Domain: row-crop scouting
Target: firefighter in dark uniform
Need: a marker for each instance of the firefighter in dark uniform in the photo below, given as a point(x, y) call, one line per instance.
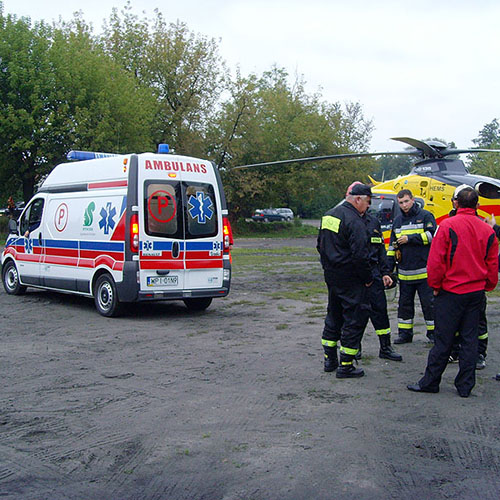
point(411, 236)
point(482, 344)
point(381, 275)
point(343, 248)
point(462, 265)
point(493, 223)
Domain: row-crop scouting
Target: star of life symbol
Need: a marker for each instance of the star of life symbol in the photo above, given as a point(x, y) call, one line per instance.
point(28, 245)
point(147, 246)
point(107, 222)
point(200, 207)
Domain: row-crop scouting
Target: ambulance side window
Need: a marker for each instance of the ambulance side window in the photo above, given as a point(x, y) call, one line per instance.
point(32, 217)
point(162, 213)
point(200, 209)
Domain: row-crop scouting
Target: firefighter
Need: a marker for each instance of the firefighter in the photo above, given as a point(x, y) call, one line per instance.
point(343, 248)
point(493, 223)
point(382, 279)
point(482, 344)
point(411, 236)
point(462, 264)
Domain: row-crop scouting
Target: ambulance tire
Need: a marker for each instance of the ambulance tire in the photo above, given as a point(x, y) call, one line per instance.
point(10, 278)
point(198, 304)
point(106, 296)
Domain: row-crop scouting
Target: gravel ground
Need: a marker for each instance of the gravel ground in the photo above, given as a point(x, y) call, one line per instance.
point(232, 403)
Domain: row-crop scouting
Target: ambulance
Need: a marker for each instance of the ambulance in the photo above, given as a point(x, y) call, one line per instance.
point(125, 228)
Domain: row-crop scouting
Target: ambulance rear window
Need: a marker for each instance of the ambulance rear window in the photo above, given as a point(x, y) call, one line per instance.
point(162, 213)
point(201, 210)
point(383, 209)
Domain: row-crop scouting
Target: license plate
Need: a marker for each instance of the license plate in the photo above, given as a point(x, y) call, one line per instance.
point(162, 280)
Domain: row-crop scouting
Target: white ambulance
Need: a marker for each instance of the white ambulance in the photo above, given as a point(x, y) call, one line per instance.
point(124, 229)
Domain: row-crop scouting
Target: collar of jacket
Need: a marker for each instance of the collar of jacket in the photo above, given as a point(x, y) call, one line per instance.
point(352, 207)
point(414, 210)
point(466, 211)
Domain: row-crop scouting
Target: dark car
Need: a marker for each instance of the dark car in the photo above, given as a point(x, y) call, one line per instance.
point(16, 212)
point(268, 215)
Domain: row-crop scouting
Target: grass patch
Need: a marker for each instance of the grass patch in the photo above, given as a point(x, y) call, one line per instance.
point(251, 229)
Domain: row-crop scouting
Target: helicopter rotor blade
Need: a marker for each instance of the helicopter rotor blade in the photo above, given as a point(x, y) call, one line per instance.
point(321, 158)
point(423, 147)
point(448, 152)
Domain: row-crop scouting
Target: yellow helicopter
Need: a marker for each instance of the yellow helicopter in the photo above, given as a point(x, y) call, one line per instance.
point(432, 180)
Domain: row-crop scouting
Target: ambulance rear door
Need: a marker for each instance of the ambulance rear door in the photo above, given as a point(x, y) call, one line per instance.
point(180, 233)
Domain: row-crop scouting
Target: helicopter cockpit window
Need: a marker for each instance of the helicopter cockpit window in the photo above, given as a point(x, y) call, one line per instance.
point(383, 209)
point(488, 190)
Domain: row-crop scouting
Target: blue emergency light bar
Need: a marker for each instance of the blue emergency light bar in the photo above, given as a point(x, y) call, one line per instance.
point(163, 148)
point(87, 155)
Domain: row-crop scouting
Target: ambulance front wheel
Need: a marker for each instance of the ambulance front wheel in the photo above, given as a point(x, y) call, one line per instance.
point(198, 304)
point(10, 278)
point(106, 296)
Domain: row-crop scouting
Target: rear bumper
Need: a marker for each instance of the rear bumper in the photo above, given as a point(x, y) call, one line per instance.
point(183, 294)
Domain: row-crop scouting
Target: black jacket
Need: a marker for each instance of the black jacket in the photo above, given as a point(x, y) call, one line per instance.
point(419, 225)
point(377, 253)
point(343, 243)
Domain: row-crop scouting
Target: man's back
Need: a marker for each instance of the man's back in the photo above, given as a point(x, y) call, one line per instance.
point(463, 256)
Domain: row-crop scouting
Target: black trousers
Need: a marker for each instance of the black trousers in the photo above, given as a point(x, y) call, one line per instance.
point(482, 341)
point(454, 313)
point(347, 313)
point(378, 307)
point(406, 306)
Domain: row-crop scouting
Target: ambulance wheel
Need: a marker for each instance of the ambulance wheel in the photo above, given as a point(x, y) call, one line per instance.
point(106, 297)
point(198, 304)
point(10, 278)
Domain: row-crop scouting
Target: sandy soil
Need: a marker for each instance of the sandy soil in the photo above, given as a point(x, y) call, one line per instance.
point(232, 403)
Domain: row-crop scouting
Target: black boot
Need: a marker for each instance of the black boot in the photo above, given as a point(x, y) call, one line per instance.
point(386, 350)
point(347, 369)
point(404, 338)
point(331, 359)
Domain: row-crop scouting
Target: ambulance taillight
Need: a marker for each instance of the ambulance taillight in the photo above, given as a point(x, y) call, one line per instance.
point(228, 234)
point(134, 233)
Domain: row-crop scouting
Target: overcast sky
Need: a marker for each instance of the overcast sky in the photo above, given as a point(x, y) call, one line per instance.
point(419, 69)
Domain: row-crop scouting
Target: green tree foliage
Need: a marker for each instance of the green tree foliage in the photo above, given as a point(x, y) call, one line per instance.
point(145, 81)
point(267, 119)
point(59, 91)
point(487, 163)
point(183, 71)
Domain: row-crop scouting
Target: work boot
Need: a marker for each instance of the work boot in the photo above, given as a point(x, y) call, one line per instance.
point(453, 357)
point(331, 359)
point(346, 369)
point(404, 338)
point(430, 336)
point(386, 351)
point(481, 362)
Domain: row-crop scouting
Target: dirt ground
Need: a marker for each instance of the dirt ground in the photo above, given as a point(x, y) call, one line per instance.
point(232, 403)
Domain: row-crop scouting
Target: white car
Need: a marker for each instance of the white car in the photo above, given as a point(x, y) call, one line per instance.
point(288, 213)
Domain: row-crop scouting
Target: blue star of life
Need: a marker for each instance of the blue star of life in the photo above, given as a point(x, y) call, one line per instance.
point(107, 222)
point(201, 207)
point(28, 245)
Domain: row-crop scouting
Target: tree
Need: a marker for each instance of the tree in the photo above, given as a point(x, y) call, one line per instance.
point(267, 119)
point(182, 69)
point(58, 91)
point(487, 163)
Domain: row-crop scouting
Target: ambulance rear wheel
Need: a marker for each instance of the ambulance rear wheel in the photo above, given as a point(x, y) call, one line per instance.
point(106, 297)
point(10, 278)
point(198, 304)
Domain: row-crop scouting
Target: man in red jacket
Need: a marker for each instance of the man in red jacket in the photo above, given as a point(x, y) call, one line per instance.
point(462, 264)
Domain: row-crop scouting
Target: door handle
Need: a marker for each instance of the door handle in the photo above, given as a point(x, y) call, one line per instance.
point(162, 272)
point(175, 249)
point(40, 240)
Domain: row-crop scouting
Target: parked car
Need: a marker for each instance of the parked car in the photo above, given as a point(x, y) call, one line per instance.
point(268, 215)
point(17, 210)
point(287, 212)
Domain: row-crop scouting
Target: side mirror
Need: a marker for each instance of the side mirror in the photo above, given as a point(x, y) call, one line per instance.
point(13, 227)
